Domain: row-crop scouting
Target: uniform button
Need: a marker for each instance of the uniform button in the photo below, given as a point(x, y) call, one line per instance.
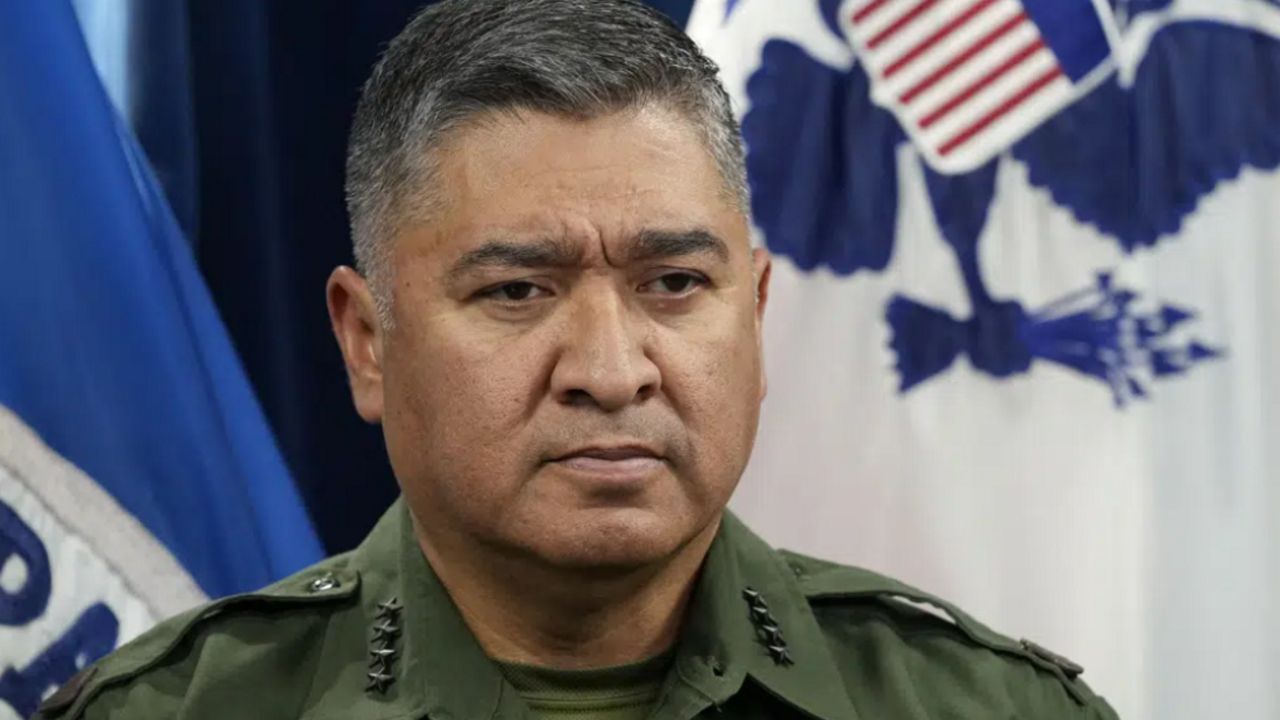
point(324, 583)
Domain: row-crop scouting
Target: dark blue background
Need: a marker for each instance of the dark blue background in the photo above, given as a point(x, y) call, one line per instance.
point(243, 107)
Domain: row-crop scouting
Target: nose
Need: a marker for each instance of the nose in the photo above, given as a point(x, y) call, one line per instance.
point(603, 360)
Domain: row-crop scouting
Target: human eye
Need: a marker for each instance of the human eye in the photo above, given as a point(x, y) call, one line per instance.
point(674, 284)
point(518, 291)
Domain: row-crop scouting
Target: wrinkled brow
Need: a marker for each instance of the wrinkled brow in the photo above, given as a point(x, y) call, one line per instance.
point(658, 244)
point(501, 254)
point(646, 246)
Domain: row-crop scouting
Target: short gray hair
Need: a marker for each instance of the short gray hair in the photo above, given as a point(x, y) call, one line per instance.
point(461, 59)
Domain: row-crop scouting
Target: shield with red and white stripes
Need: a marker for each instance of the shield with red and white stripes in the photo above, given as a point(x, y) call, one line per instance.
point(967, 78)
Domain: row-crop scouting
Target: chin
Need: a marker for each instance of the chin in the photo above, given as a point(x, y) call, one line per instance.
point(619, 539)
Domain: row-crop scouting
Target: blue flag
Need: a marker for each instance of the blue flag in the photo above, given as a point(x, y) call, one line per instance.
point(137, 473)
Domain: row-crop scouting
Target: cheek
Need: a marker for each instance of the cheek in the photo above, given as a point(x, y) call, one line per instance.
point(714, 379)
point(455, 409)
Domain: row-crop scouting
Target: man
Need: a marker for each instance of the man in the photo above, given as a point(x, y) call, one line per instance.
point(557, 322)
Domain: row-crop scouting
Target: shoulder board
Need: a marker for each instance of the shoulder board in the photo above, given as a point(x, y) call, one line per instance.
point(326, 582)
point(824, 581)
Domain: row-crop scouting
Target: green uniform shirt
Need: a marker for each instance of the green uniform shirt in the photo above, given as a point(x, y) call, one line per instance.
point(372, 634)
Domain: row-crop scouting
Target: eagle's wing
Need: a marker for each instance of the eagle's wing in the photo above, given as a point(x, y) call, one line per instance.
point(1135, 162)
point(823, 162)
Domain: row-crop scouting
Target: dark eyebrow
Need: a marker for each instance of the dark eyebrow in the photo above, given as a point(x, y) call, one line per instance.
point(539, 254)
point(656, 244)
point(647, 245)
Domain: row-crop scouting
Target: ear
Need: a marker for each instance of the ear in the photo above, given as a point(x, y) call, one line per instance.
point(354, 317)
point(762, 271)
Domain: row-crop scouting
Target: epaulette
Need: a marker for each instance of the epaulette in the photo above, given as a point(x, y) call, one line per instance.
point(329, 581)
point(822, 581)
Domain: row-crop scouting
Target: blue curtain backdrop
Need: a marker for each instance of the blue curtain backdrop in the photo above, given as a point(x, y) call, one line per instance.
point(243, 107)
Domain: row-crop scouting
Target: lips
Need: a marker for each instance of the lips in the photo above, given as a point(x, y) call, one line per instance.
point(618, 462)
point(611, 454)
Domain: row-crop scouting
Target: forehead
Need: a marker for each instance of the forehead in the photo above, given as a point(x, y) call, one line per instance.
point(607, 177)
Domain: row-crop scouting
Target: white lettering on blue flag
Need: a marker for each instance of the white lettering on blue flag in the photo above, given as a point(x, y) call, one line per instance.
point(77, 574)
point(137, 472)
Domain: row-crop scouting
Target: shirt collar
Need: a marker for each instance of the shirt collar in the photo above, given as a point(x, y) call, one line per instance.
point(444, 663)
point(721, 630)
point(441, 670)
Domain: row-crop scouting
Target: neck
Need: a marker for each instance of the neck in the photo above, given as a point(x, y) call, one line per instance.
point(531, 613)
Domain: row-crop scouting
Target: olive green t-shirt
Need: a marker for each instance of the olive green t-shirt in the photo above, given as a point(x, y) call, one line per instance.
point(628, 692)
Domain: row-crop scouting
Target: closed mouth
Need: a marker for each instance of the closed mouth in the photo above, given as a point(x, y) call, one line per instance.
point(619, 453)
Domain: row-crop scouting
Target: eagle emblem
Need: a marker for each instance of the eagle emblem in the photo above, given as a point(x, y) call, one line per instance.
point(1126, 113)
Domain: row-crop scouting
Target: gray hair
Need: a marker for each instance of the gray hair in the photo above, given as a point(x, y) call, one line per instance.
point(459, 60)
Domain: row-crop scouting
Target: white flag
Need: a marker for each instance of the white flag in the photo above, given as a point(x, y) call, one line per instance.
point(1024, 335)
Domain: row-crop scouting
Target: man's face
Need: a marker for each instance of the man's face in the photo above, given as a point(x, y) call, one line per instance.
point(573, 371)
